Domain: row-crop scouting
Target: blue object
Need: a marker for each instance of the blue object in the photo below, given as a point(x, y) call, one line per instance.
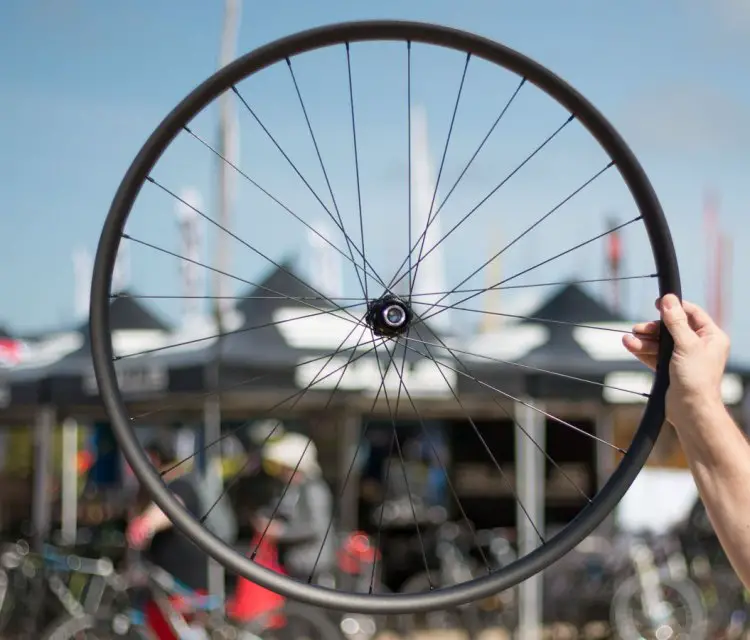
point(106, 470)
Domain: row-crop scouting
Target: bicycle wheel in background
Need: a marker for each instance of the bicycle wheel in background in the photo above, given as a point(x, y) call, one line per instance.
point(685, 618)
point(394, 321)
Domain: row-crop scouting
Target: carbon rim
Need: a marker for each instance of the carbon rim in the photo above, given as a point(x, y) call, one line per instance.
point(138, 173)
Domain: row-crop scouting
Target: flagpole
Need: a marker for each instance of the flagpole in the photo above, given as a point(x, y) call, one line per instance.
point(227, 147)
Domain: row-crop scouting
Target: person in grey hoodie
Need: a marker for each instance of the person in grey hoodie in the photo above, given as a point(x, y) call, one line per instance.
point(301, 524)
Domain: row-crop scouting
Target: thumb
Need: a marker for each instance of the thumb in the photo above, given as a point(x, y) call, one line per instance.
point(676, 320)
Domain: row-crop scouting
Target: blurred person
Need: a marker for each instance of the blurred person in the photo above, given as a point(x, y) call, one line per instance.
point(300, 524)
point(717, 451)
point(151, 530)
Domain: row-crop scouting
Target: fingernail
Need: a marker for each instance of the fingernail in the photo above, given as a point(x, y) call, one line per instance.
point(668, 301)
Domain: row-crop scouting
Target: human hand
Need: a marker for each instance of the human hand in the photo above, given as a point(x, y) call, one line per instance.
point(697, 365)
point(138, 533)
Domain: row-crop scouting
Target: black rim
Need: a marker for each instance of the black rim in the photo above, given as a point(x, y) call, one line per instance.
point(138, 173)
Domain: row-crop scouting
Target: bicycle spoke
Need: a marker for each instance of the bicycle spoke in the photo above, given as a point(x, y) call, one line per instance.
point(356, 159)
point(305, 449)
point(408, 160)
point(399, 451)
point(529, 367)
point(522, 402)
point(363, 435)
point(539, 221)
point(182, 297)
point(237, 385)
point(220, 272)
point(386, 484)
point(508, 415)
point(297, 394)
point(223, 334)
point(485, 446)
point(502, 183)
point(285, 207)
point(257, 252)
point(541, 264)
point(440, 170)
point(566, 323)
point(460, 176)
point(328, 182)
point(294, 167)
point(443, 468)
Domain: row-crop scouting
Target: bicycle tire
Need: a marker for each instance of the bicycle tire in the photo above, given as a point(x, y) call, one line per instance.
point(686, 590)
point(622, 157)
point(313, 617)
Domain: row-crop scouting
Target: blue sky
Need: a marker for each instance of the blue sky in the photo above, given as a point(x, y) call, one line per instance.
point(85, 82)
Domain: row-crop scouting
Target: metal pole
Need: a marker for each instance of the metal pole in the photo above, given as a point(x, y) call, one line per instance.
point(69, 506)
point(530, 480)
point(40, 501)
point(211, 433)
point(228, 149)
point(349, 436)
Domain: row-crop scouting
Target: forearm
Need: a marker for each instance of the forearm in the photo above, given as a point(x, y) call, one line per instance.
point(156, 518)
point(719, 456)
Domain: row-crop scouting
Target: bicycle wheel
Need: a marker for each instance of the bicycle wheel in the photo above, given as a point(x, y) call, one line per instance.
point(307, 623)
point(85, 627)
point(688, 620)
point(396, 324)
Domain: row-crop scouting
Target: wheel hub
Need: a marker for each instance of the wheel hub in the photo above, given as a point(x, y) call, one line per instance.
point(389, 316)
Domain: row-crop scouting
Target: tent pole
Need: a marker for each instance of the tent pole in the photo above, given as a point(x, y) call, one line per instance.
point(213, 478)
point(40, 503)
point(350, 426)
point(69, 506)
point(530, 480)
point(605, 457)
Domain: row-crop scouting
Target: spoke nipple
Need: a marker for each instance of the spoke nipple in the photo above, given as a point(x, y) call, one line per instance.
point(150, 179)
point(610, 164)
point(347, 46)
point(116, 358)
point(523, 81)
point(288, 61)
point(252, 555)
point(408, 44)
point(571, 118)
point(235, 90)
point(125, 236)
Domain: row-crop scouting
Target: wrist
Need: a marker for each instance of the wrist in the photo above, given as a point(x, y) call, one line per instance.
point(702, 426)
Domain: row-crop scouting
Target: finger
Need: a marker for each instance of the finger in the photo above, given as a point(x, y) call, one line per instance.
point(676, 321)
point(645, 353)
point(698, 318)
point(641, 346)
point(647, 329)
